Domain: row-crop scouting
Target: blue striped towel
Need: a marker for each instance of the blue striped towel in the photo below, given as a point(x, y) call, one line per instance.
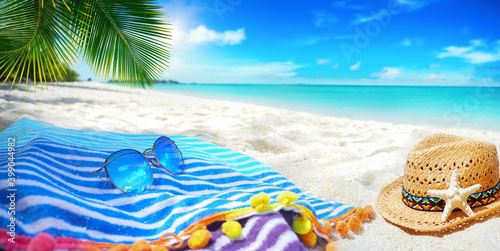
point(57, 194)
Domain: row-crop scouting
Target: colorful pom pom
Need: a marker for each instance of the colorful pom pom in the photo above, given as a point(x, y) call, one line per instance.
point(121, 247)
point(287, 197)
point(370, 211)
point(42, 242)
point(327, 226)
point(199, 239)
point(159, 248)
point(361, 214)
point(232, 229)
point(354, 223)
point(342, 227)
point(309, 239)
point(301, 225)
point(259, 201)
point(331, 246)
point(141, 245)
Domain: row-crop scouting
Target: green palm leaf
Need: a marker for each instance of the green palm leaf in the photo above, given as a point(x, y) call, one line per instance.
point(124, 39)
point(128, 40)
point(42, 45)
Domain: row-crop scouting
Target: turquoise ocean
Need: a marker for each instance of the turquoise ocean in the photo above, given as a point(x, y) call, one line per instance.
point(458, 107)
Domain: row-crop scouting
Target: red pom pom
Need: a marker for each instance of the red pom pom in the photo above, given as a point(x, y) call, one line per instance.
point(42, 242)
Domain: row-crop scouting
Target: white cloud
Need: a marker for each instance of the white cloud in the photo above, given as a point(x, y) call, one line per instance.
point(427, 77)
point(346, 4)
point(341, 37)
point(471, 54)
point(410, 42)
point(308, 41)
point(304, 40)
point(385, 6)
point(434, 65)
point(355, 66)
point(322, 61)
point(409, 2)
point(335, 66)
point(477, 42)
point(324, 17)
point(244, 72)
point(236, 72)
point(436, 76)
point(387, 72)
point(406, 42)
point(273, 70)
point(454, 51)
point(406, 5)
point(201, 35)
point(412, 5)
point(382, 14)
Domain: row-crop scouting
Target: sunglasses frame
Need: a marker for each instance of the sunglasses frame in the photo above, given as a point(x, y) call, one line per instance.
point(147, 157)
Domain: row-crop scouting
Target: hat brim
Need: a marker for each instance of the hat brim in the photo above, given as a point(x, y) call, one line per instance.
point(391, 207)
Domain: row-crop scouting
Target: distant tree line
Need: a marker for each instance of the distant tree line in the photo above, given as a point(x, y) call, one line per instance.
point(170, 81)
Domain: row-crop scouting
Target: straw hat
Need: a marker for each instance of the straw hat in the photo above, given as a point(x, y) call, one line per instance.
point(431, 165)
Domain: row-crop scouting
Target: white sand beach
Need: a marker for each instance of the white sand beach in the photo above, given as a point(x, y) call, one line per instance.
point(346, 160)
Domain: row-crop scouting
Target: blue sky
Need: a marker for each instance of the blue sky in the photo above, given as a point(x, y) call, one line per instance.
point(397, 42)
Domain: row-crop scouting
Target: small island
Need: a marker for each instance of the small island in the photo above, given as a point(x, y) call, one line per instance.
point(170, 81)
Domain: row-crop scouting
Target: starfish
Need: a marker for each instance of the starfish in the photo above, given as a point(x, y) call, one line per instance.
point(455, 196)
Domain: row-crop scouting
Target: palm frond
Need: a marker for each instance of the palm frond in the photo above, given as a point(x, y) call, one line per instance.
point(128, 40)
point(47, 41)
point(18, 23)
point(124, 39)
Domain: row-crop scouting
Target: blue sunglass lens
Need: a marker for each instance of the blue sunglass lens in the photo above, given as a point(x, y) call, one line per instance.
point(129, 171)
point(168, 155)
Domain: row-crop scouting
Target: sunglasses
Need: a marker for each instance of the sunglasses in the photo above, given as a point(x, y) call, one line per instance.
point(130, 170)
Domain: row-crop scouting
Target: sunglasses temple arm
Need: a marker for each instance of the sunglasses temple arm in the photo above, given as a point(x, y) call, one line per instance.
point(107, 179)
point(98, 170)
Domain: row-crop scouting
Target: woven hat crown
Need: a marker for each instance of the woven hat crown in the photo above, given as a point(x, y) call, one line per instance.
point(431, 162)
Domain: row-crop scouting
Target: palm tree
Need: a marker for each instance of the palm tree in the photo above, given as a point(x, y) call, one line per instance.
point(124, 39)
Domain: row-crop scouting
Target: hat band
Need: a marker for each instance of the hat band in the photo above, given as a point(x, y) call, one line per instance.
point(438, 204)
